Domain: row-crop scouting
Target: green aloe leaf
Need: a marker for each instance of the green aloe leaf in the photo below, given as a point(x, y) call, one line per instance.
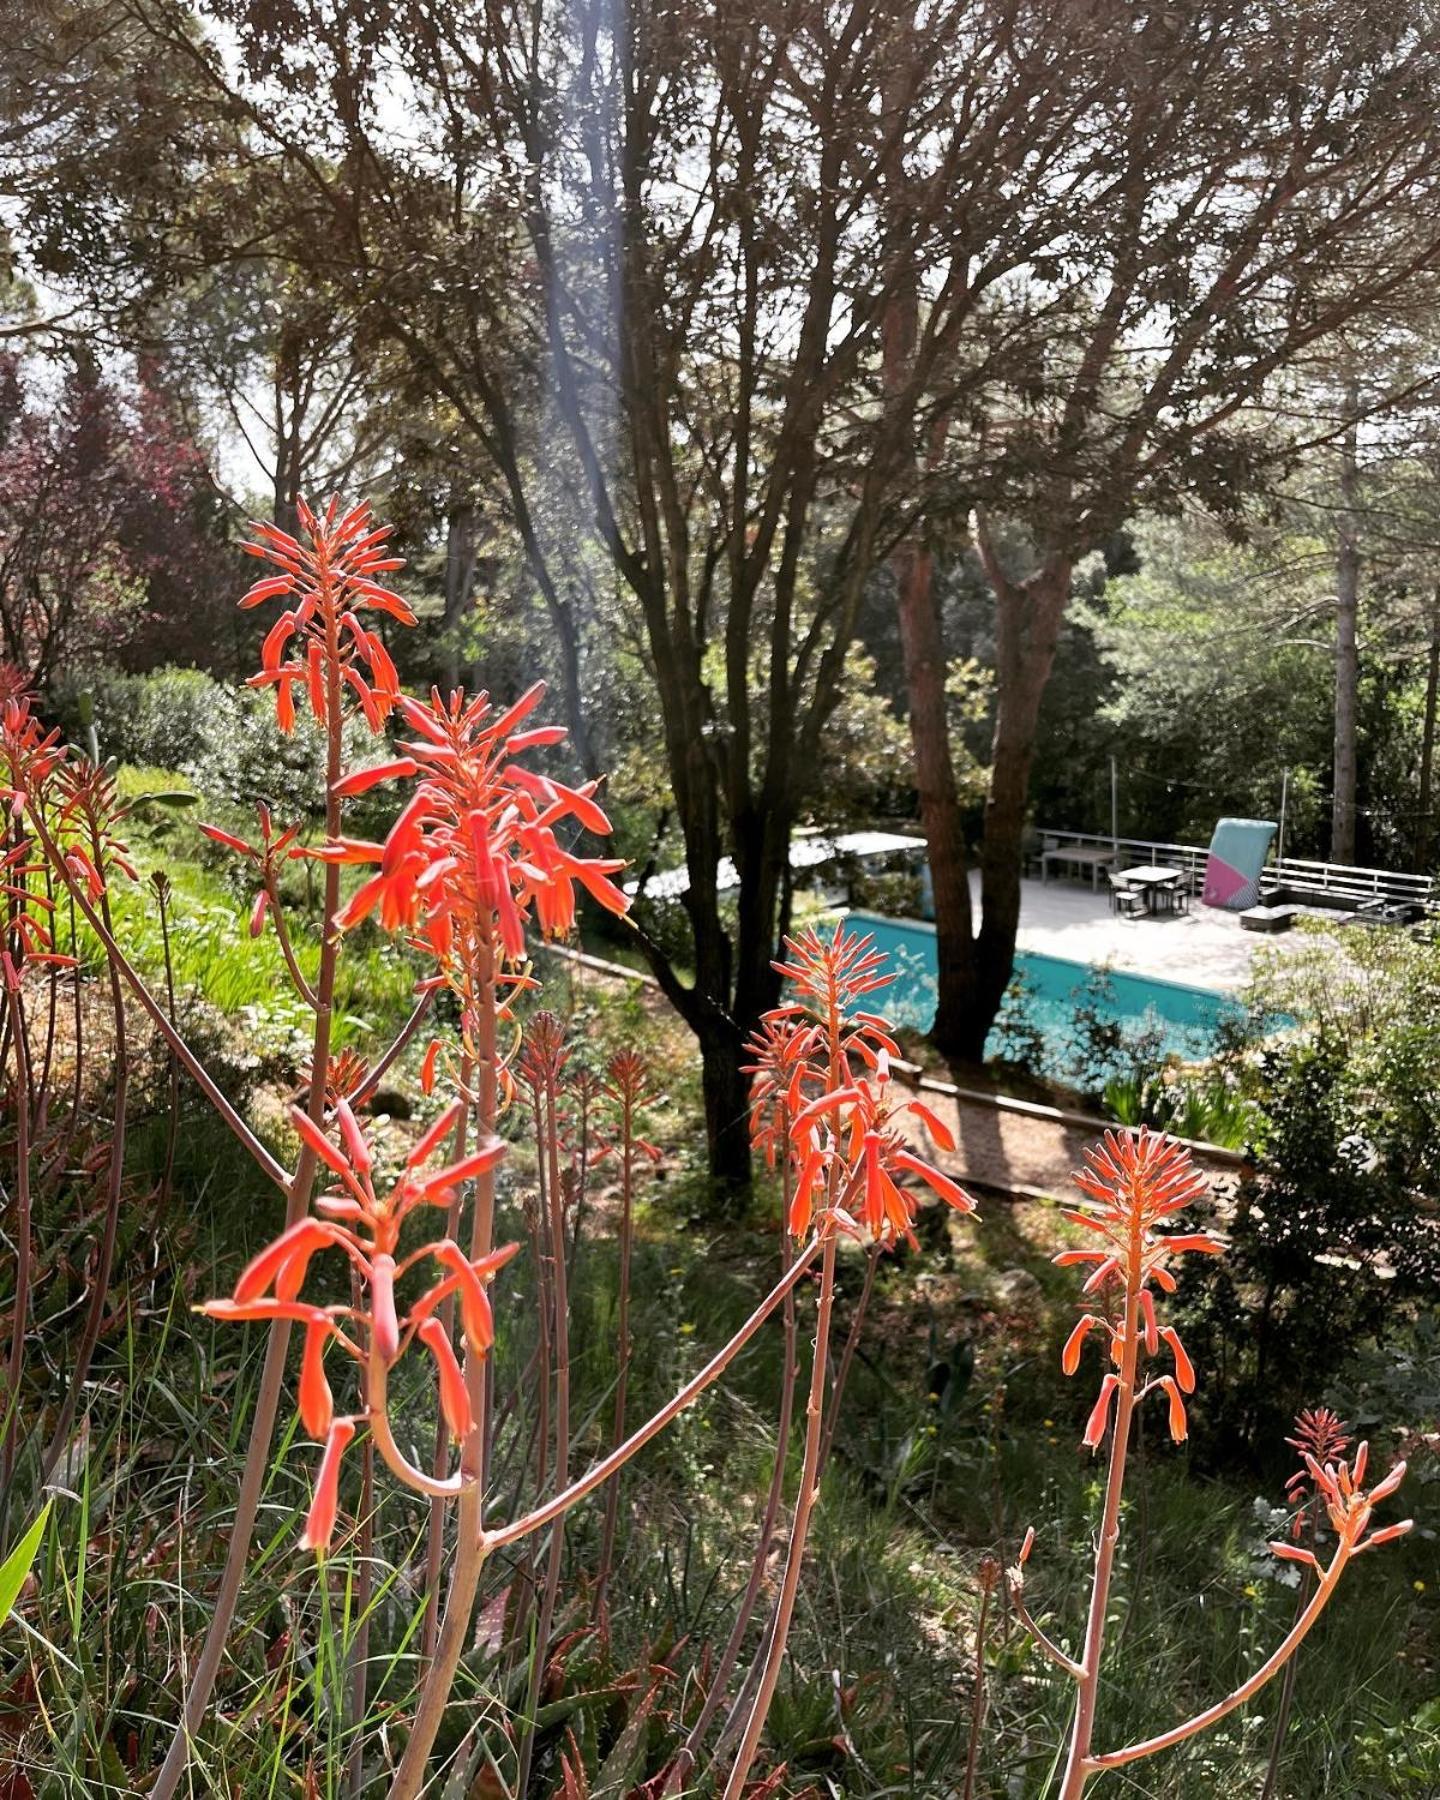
point(16, 1565)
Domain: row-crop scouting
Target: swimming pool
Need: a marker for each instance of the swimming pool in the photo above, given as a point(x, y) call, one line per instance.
point(1175, 1019)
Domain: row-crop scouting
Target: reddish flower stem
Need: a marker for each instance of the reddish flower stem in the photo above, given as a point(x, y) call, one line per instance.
point(20, 1312)
point(1287, 1696)
point(360, 1648)
point(773, 1655)
point(397, 1049)
point(550, 1150)
point(298, 1190)
point(1329, 1581)
point(172, 1123)
point(282, 937)
point(100, 1284)
point(799, 1529)
point(435, 1531)
point(977, 1699)
point(42, 1083)
point(622, 1349)
point(536, 1218)
point(688, 1755)
point(847, 1355)
point(470, 1545)
point(596, 1477)
point(1078, 1766)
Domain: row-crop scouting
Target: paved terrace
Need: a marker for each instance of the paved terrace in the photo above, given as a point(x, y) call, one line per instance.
point(1203, 948)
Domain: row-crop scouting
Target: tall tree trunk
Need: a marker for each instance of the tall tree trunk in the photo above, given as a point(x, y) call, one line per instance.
point(1347, 657)
point(1427, 740)
point(922, 644)
point(975, 966)
point(288, 452)
point(1027, 627)
point(459, 585)
point(762, 854)
point(727, 1103)
point(923, 648)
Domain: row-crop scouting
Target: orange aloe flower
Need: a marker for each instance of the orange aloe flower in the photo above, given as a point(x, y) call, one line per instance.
point(1339, 1486)
point(273, 849)
point(325, 1507)
point(821, 1073)
point(1134, 1186)
point(366, 1227)
point(28, 754)
point(476, 847)
point(319, 645)
point(29, 757)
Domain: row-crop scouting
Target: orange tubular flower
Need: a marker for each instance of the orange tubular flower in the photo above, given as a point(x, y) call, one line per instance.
point(325, 1507)
point(319, 644)
point(29, 753)
point(820, 1078)
point(273, 849)
point(1339, 1487)
point(475, 850)
point(1319, 1437)
point(1134, 1185)
point(367, 1228)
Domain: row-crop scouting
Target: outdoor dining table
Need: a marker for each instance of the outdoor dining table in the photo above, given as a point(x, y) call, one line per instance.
point(1077, 856)
point(1153, 879)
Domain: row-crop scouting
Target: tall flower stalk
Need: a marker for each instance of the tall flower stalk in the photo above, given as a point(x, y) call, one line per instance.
point(88, 817)
point(10, 1407)
point(543, 1063)
point(1133, 1189)
point(1319, 1437)
point(341, 663)
point(851, 1163)
point(782, 1076)
point(627, 1089)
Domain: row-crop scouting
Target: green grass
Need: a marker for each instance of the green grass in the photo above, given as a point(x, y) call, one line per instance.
point(215, 960)
point(875, 1694)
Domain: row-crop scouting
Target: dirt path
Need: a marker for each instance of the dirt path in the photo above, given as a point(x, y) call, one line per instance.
point(1024, 1152)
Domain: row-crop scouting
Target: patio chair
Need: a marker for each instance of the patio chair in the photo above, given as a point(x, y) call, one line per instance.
point(1033, 846)
point(1176, 897)
point(1124, 899)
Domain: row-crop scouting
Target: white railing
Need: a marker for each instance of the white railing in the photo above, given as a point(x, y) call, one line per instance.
point(1346, 882)
point(1342, 881)
point(1131, 851)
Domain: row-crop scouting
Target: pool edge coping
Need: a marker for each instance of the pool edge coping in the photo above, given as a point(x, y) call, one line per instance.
point(1033, 1109)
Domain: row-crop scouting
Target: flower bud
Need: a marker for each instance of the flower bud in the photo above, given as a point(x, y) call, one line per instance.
point(324, 1508)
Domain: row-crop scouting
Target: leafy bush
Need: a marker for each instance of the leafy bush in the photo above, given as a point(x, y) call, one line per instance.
point(224, 739)
point(896, 893)
point(1021, 1041)
point(1104, 1047)
point(1208, 1108)
point(1328, 1247)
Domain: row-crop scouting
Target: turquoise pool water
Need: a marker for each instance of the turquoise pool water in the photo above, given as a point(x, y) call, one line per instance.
point(1177, 1019)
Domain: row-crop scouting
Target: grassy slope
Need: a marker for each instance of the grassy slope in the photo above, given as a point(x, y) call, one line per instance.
point(959, 1432)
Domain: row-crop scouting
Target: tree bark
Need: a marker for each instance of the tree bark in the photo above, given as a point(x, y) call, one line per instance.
point(287, 473)
point(1027, 629)
point(1347, 656)
point(727, 1103)
point(975, 966)
point(923, 648)
point(459, 585)
point(1427, 741)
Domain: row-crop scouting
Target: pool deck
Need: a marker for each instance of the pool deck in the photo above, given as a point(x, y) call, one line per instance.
point(1205, 947)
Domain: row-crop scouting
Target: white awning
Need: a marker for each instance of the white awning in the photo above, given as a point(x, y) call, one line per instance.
point(809, 852)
